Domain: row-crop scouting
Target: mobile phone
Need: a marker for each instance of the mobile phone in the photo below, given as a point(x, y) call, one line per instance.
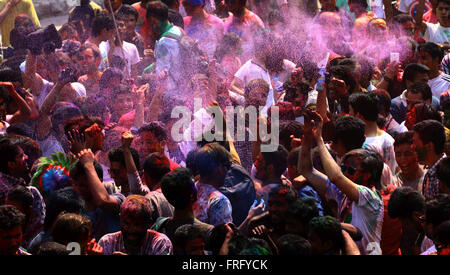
point(395, 57)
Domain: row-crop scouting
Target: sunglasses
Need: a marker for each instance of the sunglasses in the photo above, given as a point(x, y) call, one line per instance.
point(348, 169)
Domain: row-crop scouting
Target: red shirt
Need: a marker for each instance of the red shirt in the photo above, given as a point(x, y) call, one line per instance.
point(391, 232)
point(430, 17)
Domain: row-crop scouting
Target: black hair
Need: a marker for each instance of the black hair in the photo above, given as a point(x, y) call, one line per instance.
point(52, 249)
point(412, 69)
point(228, 41)
point(100, 22)
point(422, 88)
point(10, 217)
point(255, 247)
point(443, 171)
point(403, 138)
point(21, 129)
point(437, 209)
point(256, 83)
point(63, 113)
point(156, 165)
point(442, 233)
point(9, 151)
point(403, 18)
point(66, 199)
point(169, 3)
point(21, 195)
point(350, 130)
point(426, 111)
point(288, 128)
point(186, 233)
point(70, 227)
point(211, 157)
point(404, 201)
point(384, 100)
point(278, 159)
point(191, 163)
point(158, 10)
point(302, 210)
point(432, 131)
point(157, 128)
point(107, 75)
point(78, 171)
point(4, 94)
point(361, 3)
point(178, 187)
point(9, 74)
point(365, 104)
point(371, 162)
point(127, 10)
point(95, 50)
point(433, 50)
point(285, 191)
point(29, 146)
point(116, 155)
point(328, 228)
point(445, 1)
point(216, 238)
point(293, 245)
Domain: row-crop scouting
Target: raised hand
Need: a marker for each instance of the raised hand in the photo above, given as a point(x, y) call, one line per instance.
point(77, 141)
point(339, 86)
point(86, 156)
point(127, 139)
point(256, 209)
point(94, 248)
point(295, 142)
point(261, 231)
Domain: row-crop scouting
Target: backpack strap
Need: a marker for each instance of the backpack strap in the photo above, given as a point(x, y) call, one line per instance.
point(159, 223)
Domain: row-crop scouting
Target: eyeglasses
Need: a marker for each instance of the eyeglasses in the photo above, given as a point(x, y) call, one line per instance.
point(348, 169)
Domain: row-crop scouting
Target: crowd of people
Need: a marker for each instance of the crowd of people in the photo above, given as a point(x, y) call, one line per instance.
point(356, 94)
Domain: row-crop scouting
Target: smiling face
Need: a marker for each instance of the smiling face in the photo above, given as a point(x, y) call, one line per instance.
point(406, 158)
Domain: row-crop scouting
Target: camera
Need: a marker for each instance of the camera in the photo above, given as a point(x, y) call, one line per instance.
point(47, 39)
point(68, 75)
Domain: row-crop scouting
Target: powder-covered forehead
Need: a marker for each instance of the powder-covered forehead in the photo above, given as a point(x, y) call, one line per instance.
point(136, 205)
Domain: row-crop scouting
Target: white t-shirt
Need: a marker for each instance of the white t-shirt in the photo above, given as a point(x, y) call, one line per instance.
point(439, 84)
point(384, 145)
point(436, 33)
point(129, 50)
point(250, 71)
point(366, 215)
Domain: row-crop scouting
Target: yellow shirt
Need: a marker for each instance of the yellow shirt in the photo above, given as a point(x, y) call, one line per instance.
point(24, 7)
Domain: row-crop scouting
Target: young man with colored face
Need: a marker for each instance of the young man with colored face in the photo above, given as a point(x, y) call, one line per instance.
point(89, 59)
point(354, 185)
point(167, 42)
point(411, 173)
point(127, 18)
point(428, 142)
point(365, 107)
point(431, 55)
point(436, 33)
point(11, 221)
point(135, 237)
